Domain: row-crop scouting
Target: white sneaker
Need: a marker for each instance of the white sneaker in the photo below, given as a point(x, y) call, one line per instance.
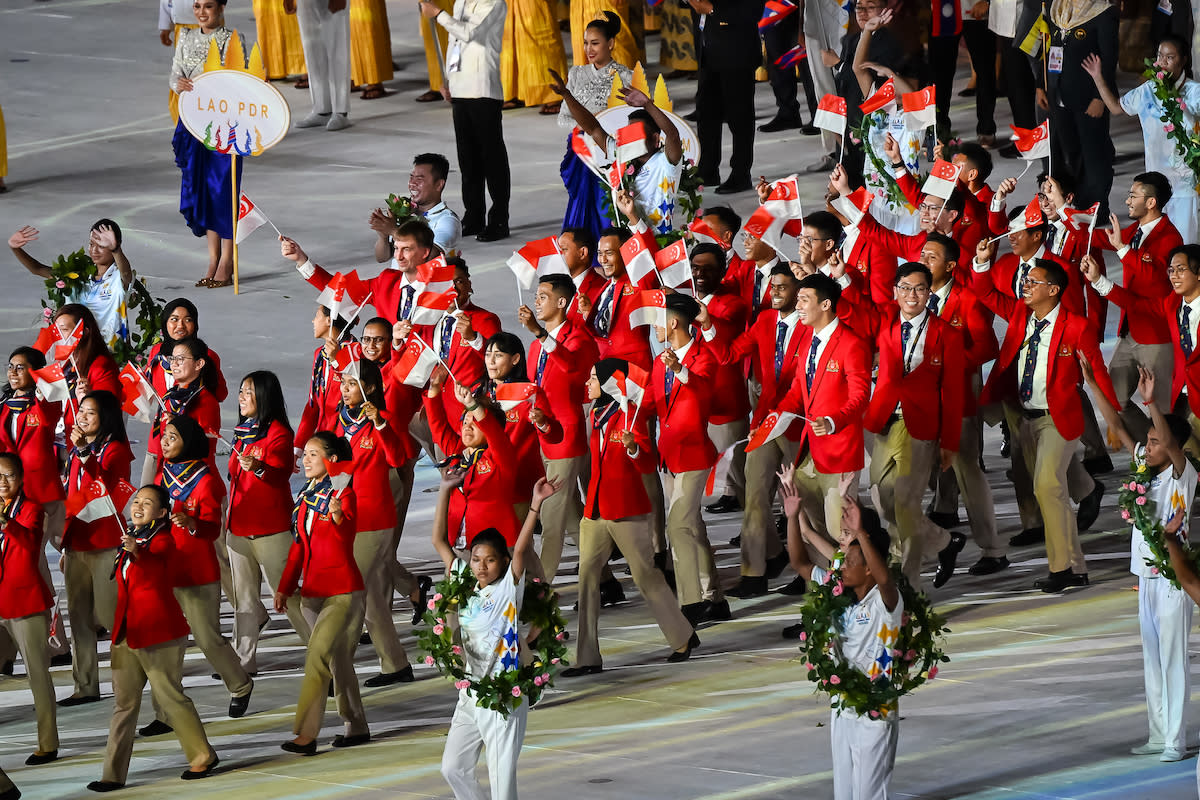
point(312, 120)
point(337, 122)
point(1171, 754)
point(1147, 749)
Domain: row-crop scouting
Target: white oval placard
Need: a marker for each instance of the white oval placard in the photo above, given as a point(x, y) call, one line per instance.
point(231, 111)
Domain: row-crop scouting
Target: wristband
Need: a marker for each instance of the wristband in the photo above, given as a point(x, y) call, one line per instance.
point(898, 165)
point(472, 407)
point(537, 511)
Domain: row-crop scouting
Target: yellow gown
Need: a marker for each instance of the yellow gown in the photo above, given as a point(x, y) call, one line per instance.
point(626, 50)
point(532, 47)
point(430, 29)
point(678, 45)
point(278, 40)
point(370, 42)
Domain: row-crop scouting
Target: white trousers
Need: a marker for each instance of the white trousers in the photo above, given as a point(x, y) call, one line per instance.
point(326, 40)
point(473, 728)
point(864, 753)
point(1165, 617)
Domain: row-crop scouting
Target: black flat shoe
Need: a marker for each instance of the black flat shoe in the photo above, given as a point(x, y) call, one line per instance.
point(424, 584)
point(695, 613)
point(780, 124)
point(736, 541)
point(797, 587)
point(611, 593)
point(718, 611)
point(735, 185)
point(1028, 536)
point(61, 660)
point(36, 759)
point(728, 504)
point(1089, 508)
point(578, 672)
point(1056, 582)
point(948, 559)
point(189, 775)
point(680, 656)
point(238, 705)
point(988, 565)
point(749, 586)
point(493, 234)
point(77, 700)
point(94, 786)
point(944, 519)
point(156, 728)
point(364, 638)
point(388, 678)
point(309, 749)
point(351, 741)
point(776, 565)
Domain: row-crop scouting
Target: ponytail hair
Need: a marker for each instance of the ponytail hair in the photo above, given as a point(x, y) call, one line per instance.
point(608, 23)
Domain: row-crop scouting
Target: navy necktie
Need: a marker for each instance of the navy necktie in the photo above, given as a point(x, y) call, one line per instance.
point(668, 382)
point(781, 329)
point(406, 301)
point(905, 333)
point(1185, 330)
point(604, 313)
point(757, 300)
point(811, 370)
point(1051, 231)
point(1030, 365)
point(541, 363)
point(1022, 274)
point(934, 302)
point(1136, 241)
point(447, 335)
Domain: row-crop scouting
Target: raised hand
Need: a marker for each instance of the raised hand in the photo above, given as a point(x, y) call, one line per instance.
point(24, 236)
point(1114, 232)
point(382, 222)
point(543, 489)
point(634, 97)
point(557, 84)
point(291, 251)
point(1089, 267)
point(105, 237)
point(1145, 384)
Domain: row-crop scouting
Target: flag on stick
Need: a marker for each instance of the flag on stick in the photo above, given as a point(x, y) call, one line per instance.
point(774, 426)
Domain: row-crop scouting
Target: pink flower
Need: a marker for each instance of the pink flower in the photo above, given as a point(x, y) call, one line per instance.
point(438, 596)
point(429, 661)
point(46, 313)
point(431, 605)
point(462, 684)
point(456, 650)
point(60, 284)
point(809, 667)
point(803, 636)
point(874, 714)
point(910, 655)
point(904, 618)
point(1141, 501)
point(835, 680)
point(545, 677)
point(1125, 515)
point(440, 621)
point(516, 691)
point(438, 630)
point(1125, 487)
point(1141, 488)
point(556, 661)
point(1169, 127)
point(560, 636)
point(933, 671)
point(837, 589)
point(1154, 570)
point(537, 680)
point(1182, 107)
point(1160, 74)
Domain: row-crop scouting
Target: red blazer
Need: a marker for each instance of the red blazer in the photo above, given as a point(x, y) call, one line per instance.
point(758, 344)
point(1187, 368)
point(147, 611)
point(386, 291)
point(23, 590)
point(730, 315)
point(683, 418)
point(1071, 334)
point(156, 373)
point(259, 502)
point(563, 381)
point(205, 409)
point(739, 279)
point(320, 410)
point(489, 491)
point(403, 403)
point(1004, 276)
point(973, 321)
point(615, 489)
point(465, 361)
point(971, 225)
point(101, 375)
point(875, 264)
point(376, 451)
point(903, 246)
point(623, 340)
point(529, 442)
point(111, 462)
point(195, 556)
point(591, 286)
point(34, 443)
point(841, 390)
point(1146, 269)
point(322, 554)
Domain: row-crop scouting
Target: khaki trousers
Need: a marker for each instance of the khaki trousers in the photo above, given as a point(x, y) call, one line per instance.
point(1193, 443)
point(561, 511)
point(822, 497)
point(900, 467)
point(335, 623)
point(162, 666)
point(965, 480)
point(695, 569)
point(1123, 369)
point(201, 607)
point(400, 480)
point(760, 540)
point(370, 554)
point(633, 536)
point(723, 436)
point(30, 635)
point(658, 511)
point(250, 559)
point(91, 599)
point(1053, 467)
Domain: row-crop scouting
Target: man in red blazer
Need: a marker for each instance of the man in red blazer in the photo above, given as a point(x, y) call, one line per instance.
point(578, 248)
point(916, 413)
point(608, 318)
point(1037, 377)
point(771, 346)
point(682, 388)
point(324, 383)
point(831, 391)
point(729, 421)
point(750, 277)
point(1144, 249)
point(560, 358)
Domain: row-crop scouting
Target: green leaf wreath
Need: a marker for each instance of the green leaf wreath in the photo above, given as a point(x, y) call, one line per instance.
point(1140, 511)
point(1176, 127)
point(689, 199)
point(915, 653)
point(503, 692)
point(401, 208)
point(880, 171)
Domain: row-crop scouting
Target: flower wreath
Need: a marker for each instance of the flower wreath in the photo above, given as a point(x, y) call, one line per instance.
point(910, 661)
point(689, 199)
point(71, 274)
point(862, 135)
point(505, 691)
point(1167, 93)
point(402, 208)
point(1140, 511)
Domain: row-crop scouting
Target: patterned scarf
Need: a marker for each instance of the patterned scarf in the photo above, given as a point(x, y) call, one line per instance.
point(142, 534)
point(314, 499)
point(18, 403)
point(180, 478)
point(316, 386)
point(247, 433)
point(95, 448)
point(352, 421)
point(175, 403)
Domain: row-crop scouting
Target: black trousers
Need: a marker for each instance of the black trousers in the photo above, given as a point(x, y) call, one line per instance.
point(777, 40)
point(725, 97)
point(981, 45)
point(943, 59)
point(483, 158)
point(1084, 146)
point(1018, 82)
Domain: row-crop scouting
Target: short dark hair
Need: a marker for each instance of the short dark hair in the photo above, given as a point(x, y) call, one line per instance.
point(683, 306)
point(956, 202)
point(583, 237)
point(950, 249)
point(643, 116)
point(458, 262)
point(161, 495)
point(825, 223)
point(782, 269)
point(378, 321)
point(417, 230)
point(825, 287)
point(35, 357)
point(728, 217)
point(715, 250)
point(624, 234)
point(1180, 430)
point(339, 322)
point(437, 163)
point(1191, 252)
point(116, 229)
point(1063, 177)
point(976, 155)
point(877, 535)
point(1055, 274)
point(333, 445)
point(1157, 186)
point(490, 537)
point(112, 417)
point(914, 268)
point(561, 284)
point(14, 461)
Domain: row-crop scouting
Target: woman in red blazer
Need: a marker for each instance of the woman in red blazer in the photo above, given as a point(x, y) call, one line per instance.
point(149, 637)
point(320, 409)
point(196, 495)
point(99, 451)
point(321, 565)
point(181, 321)
point(260, 498)
point(27, 426)
point(377, 447)
point(26, 598)
point(91, 366)
point(192, 396)
point(617, 513)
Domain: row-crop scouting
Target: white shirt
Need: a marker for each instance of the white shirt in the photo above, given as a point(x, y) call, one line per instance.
point(681, 353)
point(1041, 362)
point(1193, 319)
point(865, 644)
point(943, 295)
point(913, 357)
point(1017, 288)
point(765, 271)
point(551, 339)
point(490, 617)
point(1169, 493)
point(822, 337)
point(476, 31)
point(1145, 229)
point(105, 298)
point(175, 12)
point(446, 227)
point(656, 185)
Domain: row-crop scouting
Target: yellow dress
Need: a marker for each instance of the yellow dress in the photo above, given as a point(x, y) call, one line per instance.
point(429, 29)
point(626, 50)
point(370, 42)
point(278, 40)
point(677, 49)
point(532, 47)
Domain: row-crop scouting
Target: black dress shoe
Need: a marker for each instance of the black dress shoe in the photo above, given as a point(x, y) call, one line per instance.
point(780, 124)
point(718, 611)
point(238, 705)
point(736, 541)
point(1005, 443)
point(351, 741)
point(155, 728)
point(61, 660)
point(577, 672)
point(1089, 508)
point(695, 613)
point(189, 775)
point(810, 130)
point(491, 234)
point(36, 759)
point(793, 631)
point(388, 678)
point(775, 565)
point(678, 656)
point(1098, 465)
point(713, 180)
point(96, 786)
point(1029, 536)
point(944, 519)
point(611, 593)
point(988, 565)
point(6, 668)
point(728, 504)
point(797, 587)
point(1055, 582)
point(660, 560)
point(11, 794)
point(749, 586)
point(471, 230)
point(424, 584)
point(309, 749)
point(79, 700)
point(733, 185)
point(364, 638)
point(948, 559)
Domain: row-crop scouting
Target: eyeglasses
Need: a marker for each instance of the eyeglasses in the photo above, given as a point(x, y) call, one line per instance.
point(1031, 282)
point(8, 477)
point(179, 359)
point(18, 368)
point(374, 339)
point(928, 209)
point(904, 288)
point(1170, 271)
